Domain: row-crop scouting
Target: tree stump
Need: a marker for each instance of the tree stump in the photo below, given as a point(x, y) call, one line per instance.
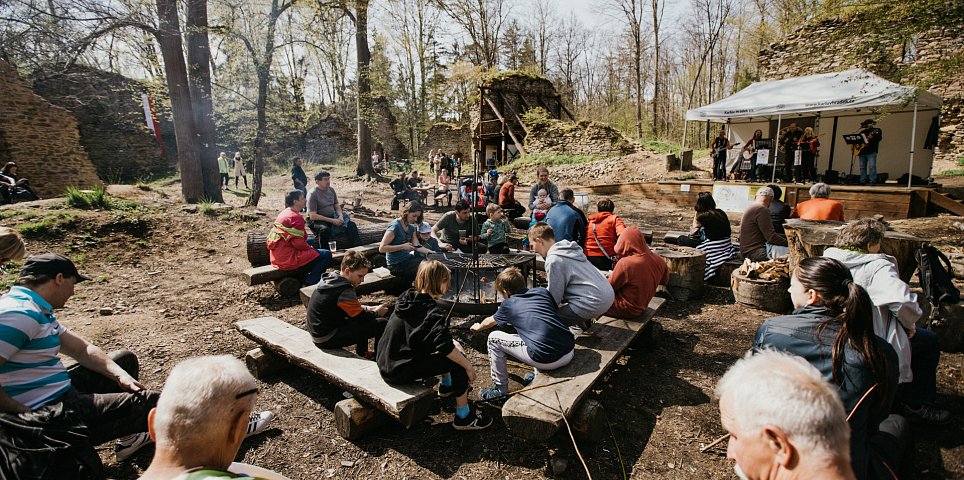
point(257, 248)
point(354, 419)
point(686, 268)
point(766, 295)
point(589, 422)
point(262, 363)
point(809, 238)
point(288, 287)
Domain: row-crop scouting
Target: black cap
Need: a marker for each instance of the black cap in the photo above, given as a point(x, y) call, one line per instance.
point(51, 264)
point(869, 121)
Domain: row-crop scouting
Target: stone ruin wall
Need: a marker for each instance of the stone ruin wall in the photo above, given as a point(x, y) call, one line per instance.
point(42, 138)
point(384, 131)
point(110, 116)
point(330, 139)
point(828, 46)
point(581, 138)
point(450, 138)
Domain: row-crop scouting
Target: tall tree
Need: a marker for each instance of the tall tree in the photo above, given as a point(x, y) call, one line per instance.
point(199, 75)
point(633, 11)
point(483, 20)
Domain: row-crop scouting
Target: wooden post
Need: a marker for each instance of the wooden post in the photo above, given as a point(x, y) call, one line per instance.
point(262, 363)
point(686, 268)
point(354, 419)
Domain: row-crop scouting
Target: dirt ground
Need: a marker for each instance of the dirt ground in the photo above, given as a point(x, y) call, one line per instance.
point(171, 280)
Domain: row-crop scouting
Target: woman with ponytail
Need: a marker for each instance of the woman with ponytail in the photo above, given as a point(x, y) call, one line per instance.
point(832, 328)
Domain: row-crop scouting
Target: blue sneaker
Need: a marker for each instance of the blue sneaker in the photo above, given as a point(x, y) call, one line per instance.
point(528, 378)
point(491, 394)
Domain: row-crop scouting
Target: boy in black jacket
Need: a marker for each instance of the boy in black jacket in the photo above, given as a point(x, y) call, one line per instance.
point(336, 318)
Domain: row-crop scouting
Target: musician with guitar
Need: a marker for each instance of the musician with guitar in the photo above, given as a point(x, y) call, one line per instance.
point(868, 151)
point(790, 141)
point(748, 154)
point(720, 146)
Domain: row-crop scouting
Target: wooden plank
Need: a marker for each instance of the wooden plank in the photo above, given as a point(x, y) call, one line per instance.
point(535, 414)
point(366, 250)
point(372, 283)
point(264, 274)
point(947, 203)
point(406, 403)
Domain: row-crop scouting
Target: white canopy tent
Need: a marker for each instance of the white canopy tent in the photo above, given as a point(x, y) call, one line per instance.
point(845, 97)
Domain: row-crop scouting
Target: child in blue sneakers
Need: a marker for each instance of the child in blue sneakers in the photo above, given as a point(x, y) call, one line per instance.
point(542, 340)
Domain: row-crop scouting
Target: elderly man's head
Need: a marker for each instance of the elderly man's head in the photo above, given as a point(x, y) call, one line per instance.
point(764, 196)
point(783, 417)
point(202, 413)
point(820, 190)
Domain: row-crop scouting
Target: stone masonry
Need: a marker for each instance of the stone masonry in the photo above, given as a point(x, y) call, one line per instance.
point(450, 138)
point(923, 60)
point(43, 139)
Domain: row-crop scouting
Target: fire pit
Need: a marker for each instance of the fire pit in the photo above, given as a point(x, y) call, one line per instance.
point(472, 289)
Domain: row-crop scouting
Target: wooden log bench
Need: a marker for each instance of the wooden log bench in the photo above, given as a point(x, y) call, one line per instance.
point(372, 283)
point(284, 280)
point(375, 401)
point(256, 246)
point(536, 415)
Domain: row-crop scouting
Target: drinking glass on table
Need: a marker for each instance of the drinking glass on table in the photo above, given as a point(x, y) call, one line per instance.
point(332, 245)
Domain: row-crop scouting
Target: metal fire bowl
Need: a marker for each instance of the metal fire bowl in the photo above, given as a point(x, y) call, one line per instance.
point(466, 308)
point(486, 261)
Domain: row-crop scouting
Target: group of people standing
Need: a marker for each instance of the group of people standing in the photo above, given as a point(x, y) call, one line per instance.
point(800, 148)
point(228, 165)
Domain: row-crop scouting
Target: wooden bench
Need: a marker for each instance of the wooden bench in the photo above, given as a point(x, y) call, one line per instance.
point(535, 414)
point(372, 283)
point(407, 404)
point(284, 281)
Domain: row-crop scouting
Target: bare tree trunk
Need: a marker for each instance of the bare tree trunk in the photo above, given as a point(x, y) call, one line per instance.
point(657, 19)
point(363, 101)
point(199, 68)
point(169, 39)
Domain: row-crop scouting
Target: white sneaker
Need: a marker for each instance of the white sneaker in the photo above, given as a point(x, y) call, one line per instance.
point(123, 452)
point(258, 422)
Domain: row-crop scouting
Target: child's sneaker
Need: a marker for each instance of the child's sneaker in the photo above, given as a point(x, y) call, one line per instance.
point(258, 422)
point(491, 394)
point(126, 448)
point(445, 391)
point(528, 378)
point(476, 420)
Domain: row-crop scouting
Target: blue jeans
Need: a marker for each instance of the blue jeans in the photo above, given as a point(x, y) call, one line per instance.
point(868, 167)
point(317, 266)
point(925, 355)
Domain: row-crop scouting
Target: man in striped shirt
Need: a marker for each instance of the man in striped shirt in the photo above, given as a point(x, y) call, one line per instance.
point(101, 388)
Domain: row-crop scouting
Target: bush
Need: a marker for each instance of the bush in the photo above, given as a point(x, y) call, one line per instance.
point(88, 199)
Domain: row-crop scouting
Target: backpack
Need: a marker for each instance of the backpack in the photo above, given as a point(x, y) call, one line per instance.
point(935, 274)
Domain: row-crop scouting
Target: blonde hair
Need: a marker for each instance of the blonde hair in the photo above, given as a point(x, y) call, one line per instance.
point(808, 131)
point(432, 278)
point(542, 230)
point(11, 245)
point(492, 208)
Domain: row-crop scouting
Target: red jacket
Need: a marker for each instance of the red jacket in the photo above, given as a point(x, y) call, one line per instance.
point(287, 243)
point(818, 209)
point(636, 275)
point(608, 228)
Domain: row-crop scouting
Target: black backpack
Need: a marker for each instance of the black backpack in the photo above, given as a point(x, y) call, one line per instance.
point(935, 274)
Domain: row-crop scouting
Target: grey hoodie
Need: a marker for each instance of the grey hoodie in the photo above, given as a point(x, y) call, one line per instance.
point(573, 280)
point(896, 307)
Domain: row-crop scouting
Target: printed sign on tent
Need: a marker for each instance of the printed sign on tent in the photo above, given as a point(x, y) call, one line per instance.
point(763, 157)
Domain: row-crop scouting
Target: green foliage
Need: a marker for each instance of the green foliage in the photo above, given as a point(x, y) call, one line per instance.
point(537, 118)
point(548, 159)
point(206, 206)
point(97, 198)
point(50, 225)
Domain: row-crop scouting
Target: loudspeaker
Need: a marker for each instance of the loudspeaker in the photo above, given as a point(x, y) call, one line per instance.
point(831, 177)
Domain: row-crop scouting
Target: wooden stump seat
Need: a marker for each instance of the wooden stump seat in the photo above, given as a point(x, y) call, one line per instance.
point(535, 414)
point(407, 404)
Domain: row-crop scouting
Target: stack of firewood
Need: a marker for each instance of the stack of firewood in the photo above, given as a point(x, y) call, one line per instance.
point(776, 270)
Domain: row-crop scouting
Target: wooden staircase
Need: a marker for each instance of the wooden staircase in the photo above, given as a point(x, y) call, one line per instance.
point(947, 202)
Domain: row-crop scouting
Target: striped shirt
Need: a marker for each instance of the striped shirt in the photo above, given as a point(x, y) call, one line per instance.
point(29, 343)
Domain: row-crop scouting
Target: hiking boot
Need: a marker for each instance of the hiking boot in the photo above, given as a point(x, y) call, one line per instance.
point(127, 448)
point(258, 422)
point(927, 414)
point(476, 420)
point(528, 378)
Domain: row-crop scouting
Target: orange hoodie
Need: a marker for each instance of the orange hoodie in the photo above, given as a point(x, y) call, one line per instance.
point(608, 228)
point(636, 275)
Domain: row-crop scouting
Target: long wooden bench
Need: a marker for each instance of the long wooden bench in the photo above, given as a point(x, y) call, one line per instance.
point(270, 273)
point(407, 403)
point(536, 414)
point(372, 283)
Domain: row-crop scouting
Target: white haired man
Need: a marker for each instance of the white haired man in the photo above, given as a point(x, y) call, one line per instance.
point(201, 418)
point(784, 420)
point(820, 206)
point(758, 240)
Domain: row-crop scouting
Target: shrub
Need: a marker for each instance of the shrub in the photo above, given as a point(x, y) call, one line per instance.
point(88, 199)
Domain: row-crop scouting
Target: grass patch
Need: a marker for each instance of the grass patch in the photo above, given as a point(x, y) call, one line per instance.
point(50, 225)
point(206, 207)
point(952, 173)
point(97, 198)
point(548, 160)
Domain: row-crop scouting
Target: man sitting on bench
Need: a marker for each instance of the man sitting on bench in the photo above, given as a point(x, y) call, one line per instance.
point(203, 414)
point(541, 340)
point(288, 245)
point(327, 218)
point(575, 284)
point(335, 316)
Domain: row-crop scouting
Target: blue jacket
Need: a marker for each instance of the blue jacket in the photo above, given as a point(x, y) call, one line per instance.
point(797, 334)
point(567, 222)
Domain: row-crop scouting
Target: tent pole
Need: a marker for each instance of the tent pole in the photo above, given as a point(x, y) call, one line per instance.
point(913, 138)
point(682, 146)
point(776, 150)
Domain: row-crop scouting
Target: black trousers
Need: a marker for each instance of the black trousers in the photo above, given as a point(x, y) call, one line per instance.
point(602, 263)
point(356, 332)
point(108, 411)
point(430, 366)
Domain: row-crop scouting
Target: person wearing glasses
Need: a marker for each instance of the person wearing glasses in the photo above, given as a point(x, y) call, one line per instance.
point(202, 415)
